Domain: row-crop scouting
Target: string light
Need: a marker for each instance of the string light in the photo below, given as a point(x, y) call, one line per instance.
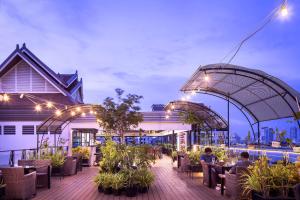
point(38, 108)
point(83, 114)
point(99, 120)
point(167, 117)
point(91, 112)
point(95, 113)
point(6, 97)
point(188, 97)
point(183, 98)
point(173, 107)
point(193, 92)
point(73, 113)
point(168, 111)
point(49, 104)
point(206, 78)
point(284, 11)
point(58, 113)
point(78, 109)
point(21, 96)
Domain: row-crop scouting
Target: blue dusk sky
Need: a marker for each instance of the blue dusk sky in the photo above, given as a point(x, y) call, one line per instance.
point(152, 47)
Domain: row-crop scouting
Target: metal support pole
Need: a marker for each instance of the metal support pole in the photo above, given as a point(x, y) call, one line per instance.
point(173, 140)
point(258, 133)
point(228, 113)
point(211, 137)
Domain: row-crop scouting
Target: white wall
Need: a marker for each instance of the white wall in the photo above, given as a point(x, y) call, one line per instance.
point(20, 141)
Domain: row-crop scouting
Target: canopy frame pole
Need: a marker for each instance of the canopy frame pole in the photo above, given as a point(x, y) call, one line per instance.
point(228, 123)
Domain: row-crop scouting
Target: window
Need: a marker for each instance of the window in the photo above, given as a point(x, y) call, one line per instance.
point(28, 130)
point(9, 130)
point(41, 131)
point(0, 130)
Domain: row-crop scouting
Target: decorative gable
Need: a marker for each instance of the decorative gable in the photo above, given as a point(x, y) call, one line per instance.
point(22, 78)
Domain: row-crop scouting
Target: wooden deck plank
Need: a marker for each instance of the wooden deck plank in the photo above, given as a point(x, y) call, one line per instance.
point(168, 185)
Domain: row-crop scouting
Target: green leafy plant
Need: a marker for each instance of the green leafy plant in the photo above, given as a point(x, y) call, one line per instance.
point(57, 159)
point(266, 180)
point(118, 181)
point(145, 178)
point(194, 157)
point(121, 115)
point(174, 155)
point(107, 180)
point(84, 151)
point(99, 179)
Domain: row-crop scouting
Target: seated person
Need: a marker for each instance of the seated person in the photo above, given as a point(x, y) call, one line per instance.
point(207, 157)
point(244, 162)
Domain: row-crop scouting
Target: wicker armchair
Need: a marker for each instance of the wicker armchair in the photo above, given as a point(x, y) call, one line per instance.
point(78, 157)
point(43, 170)
point(69, 166)
point(18, 185)
point(43, 173)
point(233, 184)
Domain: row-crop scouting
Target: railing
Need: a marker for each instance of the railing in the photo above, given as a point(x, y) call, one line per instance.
point(11, 157)
point(273, 154)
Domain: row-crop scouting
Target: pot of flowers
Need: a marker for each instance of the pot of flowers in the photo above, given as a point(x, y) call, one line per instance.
point(118, 182)
point(145, 179)
point(131, 183)
point(107, 183)
point(266, 182)
point(99, 181)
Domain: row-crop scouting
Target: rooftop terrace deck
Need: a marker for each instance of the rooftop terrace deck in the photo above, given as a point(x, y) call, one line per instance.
point(168, 185)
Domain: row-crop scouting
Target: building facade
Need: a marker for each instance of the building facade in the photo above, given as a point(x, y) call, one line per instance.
point(30, 92)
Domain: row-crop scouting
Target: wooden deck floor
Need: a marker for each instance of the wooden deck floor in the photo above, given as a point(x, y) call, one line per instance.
point(169, 184)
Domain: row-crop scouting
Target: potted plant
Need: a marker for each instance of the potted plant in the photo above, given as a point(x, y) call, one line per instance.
point(118, 182)
point(57, 162)
point(174, 155)
point(131, 183)
point(85, 156)
point(107, 183)
point(99, 181)
point(145, 178)
point(270, 182)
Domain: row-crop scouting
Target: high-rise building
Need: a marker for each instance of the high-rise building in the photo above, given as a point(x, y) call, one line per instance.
point(268, 135)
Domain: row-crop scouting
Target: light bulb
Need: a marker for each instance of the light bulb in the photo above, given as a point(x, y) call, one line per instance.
point(173, 107)
point(167, 116)
point(83, 114)
point(284, 11)
point(91, 112)
point(168, 111)
point(38, 108)
point(21, 96)
point(206, 78)
point(58, 113)
point(193, 92)
point(73, 113)
point(183, 99)
point(6, 97)
point(49, 104)
point(188, 97)
point(78, 109)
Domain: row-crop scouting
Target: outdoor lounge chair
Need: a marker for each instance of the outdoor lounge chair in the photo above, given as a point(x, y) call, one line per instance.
point(208, 180)
point(18, 185)
point(43, 171)
point(233, 184)
point(69, 166)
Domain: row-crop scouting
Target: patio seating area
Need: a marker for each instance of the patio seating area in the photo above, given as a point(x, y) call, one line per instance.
point(169, 184)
